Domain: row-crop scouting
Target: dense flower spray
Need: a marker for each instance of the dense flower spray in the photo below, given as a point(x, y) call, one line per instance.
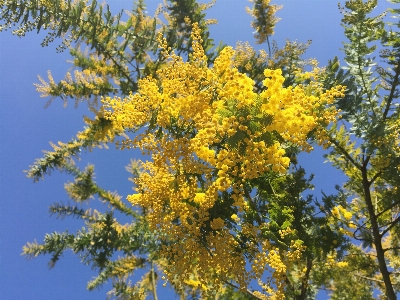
point(207, 133)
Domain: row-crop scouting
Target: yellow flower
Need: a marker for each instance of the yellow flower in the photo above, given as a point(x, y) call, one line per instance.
point(342, 264)
point(335, 211)
point(217, 223)
point(133, 198)
point(347, 215)
point(235, 218)
point(199, 198)
point(352, 225)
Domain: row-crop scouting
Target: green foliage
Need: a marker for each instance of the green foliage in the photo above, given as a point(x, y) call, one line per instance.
point(334, 75)
point(181, 14)
point(371, 160)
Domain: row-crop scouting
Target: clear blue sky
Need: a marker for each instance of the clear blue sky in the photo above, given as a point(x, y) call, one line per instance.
point(26, 129)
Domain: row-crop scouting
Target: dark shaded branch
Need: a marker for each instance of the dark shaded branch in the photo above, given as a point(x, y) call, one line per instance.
point(375, 177)
point(253, 206)
point(392, 248)
point(392, 224)
point(392, 90)
point(377, 239)
point(304, 283)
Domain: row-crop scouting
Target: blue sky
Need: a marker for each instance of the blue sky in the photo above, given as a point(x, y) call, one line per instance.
point(26, 129)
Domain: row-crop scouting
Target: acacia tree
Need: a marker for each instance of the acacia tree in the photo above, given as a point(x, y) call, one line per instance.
point(223, 191)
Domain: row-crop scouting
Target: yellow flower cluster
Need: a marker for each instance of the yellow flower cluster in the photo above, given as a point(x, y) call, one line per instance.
point(125, 266)
point(299, 110)
point(344, 217)
point(331, 261)
point(264, 14)
point(339, 211)
point(102, 130)
point(245, 52)
point(278, 262)
point(207, 133)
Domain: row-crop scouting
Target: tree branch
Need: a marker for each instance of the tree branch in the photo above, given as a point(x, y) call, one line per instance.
point(392, 90)
point(153, 281)
point(345, 153)
point(392, 248)
point(247, 290)
point(392, 224)
point(369, 278)
point(253, 206)
point(375, 176)
point(387, 208)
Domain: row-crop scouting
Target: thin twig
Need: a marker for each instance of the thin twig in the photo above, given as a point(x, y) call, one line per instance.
point(392, 248)
point(369, 278)
point(393, 223)
point(153, 281)
point(236, 287)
